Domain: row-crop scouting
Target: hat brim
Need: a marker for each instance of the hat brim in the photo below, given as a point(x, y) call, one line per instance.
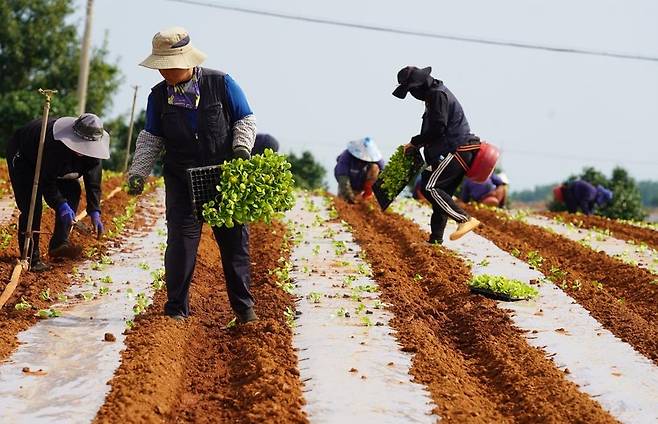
point(191, 58)
point(361, 152)
point(63, 131)
point(402, 90)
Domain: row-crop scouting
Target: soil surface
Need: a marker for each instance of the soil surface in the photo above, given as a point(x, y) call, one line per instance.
point(620, 296)
point(199, 371)
point(56, 280)
point(476, 365)
point(618, 229)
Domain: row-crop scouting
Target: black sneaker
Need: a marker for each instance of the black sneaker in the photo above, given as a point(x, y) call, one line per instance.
point(435, 239)
point(65, 250)
point(246, 316)
point(38, 266)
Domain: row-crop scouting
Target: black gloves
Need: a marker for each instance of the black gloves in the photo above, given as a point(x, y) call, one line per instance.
point(135, 185)
point(241, 152)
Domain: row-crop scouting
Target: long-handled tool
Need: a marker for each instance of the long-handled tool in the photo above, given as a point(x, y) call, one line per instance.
point(24, 262)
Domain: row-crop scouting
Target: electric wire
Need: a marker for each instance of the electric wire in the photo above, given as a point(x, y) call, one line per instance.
point(418, 33)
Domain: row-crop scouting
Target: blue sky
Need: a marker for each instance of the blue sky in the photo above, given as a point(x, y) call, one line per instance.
point(316, 87)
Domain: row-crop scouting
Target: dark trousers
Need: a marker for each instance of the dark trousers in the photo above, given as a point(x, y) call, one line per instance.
point(21, 175)
point(184, 233)
point(438, 187)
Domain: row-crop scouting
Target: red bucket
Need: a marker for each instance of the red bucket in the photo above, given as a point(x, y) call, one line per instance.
point(558, 194)
point(484, 163)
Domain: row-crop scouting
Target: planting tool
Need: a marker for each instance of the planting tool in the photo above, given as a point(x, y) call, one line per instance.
point(23, 263)
point(383, 198)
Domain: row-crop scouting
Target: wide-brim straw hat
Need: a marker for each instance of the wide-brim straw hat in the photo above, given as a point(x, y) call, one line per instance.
point(83, 135)
point(364, 149)
point(172, 50)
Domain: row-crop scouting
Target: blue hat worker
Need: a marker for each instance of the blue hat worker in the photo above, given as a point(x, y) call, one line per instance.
point(357, 169)
point(581, 195)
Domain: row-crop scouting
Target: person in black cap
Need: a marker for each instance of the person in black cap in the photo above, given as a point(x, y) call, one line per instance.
point(449, 148)
point(73, 147)
point(264, 141)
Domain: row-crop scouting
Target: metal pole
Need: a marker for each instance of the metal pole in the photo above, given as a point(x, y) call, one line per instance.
point(83, 76)
point(37, 172)
point(130, 130)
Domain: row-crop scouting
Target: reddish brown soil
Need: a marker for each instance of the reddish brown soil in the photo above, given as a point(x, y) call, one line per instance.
point(477, 366)
point(618, 229)
point(57, 279)
point(199, 371)
point(627, 302)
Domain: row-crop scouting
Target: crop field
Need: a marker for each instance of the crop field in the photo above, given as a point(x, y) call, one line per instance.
point(361, 320)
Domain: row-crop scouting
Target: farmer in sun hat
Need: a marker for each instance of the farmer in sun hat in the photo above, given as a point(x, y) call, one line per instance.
point(580, 194)
point(357, 169)
point(74, 148)
point(449, 148)
point(198, 117)
point(492, 192)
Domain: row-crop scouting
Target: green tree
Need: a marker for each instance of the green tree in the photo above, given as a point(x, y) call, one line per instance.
point(39, 49)
point(308, 173)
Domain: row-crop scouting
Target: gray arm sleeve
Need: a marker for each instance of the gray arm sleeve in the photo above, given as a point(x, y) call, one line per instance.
point(147, 151)
point(244, 132)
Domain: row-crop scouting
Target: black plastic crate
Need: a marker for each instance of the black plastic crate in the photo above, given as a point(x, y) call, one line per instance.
point(202, 183)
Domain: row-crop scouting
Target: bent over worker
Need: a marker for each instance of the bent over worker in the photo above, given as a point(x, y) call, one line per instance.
point(199, 117)
point(492, 192)
point(582, 195)
point(449, 148)
point(357, 169)
point(73, 148)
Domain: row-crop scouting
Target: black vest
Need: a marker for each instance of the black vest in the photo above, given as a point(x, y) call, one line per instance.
point(211, 144)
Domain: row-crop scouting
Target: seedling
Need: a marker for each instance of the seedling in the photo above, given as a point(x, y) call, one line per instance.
point(162, 246)
point(597, 284)
point(161, 232)
point(45, 294)
point(361, 308)
point(106, 280)
point(48, 313)
point(314, 297)
point(418, 277)
point(130, 324)
point(316, 250)
point(306, 270)
point(62, 298)
point(142, 303)
point(576, 285)
point(144, 266)
point(377, 304)
point(534, 259)
point(499, 285)
point(348, 280)
point(5, 238)
point(231, 323)
point(340, 248)
point(87, 296)
point(364, 269)
point(365, 320)
point(515, 252)
point(341, 312)
point(103, 291)
point(106, 260)
point(369, 288)
point(90, 252)
point(97, 266)
point(23, 305)
point(289, 316)
point(556, 275)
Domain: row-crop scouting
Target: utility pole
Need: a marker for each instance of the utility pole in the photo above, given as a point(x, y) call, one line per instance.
point(83, 76)
point(130, 130)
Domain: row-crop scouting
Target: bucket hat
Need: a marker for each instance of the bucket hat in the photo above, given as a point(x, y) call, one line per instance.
point(411, 77)
point(364, 149)
point(172, 50)
point(84, 135)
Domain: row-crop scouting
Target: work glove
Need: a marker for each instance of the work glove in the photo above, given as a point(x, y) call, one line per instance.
point(97, 223)
point(66, 214)
point(135, 185)
point(241, 152)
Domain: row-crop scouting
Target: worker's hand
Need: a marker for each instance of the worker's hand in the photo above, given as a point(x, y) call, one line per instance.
point(409, 149)
point(241, 152)
point(135, 185)
point(65, 214)
point(97, 223)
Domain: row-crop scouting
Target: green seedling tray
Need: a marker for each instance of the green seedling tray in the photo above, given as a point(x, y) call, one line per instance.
point(382, 197)
point(496, 295)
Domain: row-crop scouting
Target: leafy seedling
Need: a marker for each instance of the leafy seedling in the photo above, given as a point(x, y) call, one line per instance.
point(534, 259)
point(289, 316)
point(418, 277)
point(106, 279)
point(501, 287)
point(484, 262)
point(232, 323)
point(144, 266)
point(48, 313)
point(45, 295)
point(314, 297)
point(23, 305)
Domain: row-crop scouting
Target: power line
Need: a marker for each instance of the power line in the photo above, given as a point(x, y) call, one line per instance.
point(417, 33)
point(572, 157)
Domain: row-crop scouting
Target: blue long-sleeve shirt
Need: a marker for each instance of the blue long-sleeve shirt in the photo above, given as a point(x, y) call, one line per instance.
point(580, 194)
point(477, 191)
point(236, 102)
